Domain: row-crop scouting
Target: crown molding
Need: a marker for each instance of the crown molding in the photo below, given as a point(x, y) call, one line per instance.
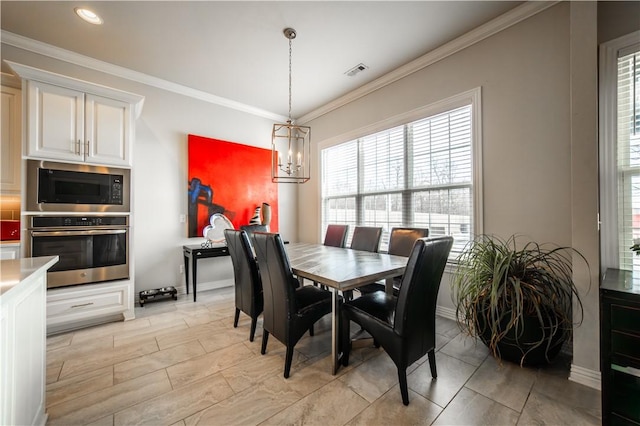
point(54, 52)
point(502, 22)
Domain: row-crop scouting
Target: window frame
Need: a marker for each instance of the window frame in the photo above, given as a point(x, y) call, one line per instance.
point(471, 97)
point(608, 162)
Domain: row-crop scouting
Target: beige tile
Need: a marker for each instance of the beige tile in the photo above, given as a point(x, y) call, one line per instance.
point(110, 329)
point(206, 365)
point(97, 405)
point(333, 404)
point(89, 348)
point(105, 421)
point(177, 404)
point(140, 366)
point(179, 423)
point(253, 371)
point(389, 410)
point(545, 410)
point(107, 357)
point(59, 341)
point(53, 371)
point(177, 337)
point(311, 375)
point(176, 316)
point(79, 385)
point(373, 378)
point(223, 338)
point(152, 332)
point(505, 382)
point(203, 317)
point(452, 375)
point(250, 407)
point(580, 397)
point(447, 327)
point(471, 408)
point(467, 349)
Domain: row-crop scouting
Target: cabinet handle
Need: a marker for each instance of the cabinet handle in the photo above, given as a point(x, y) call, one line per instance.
point(84, 304)
point(627, 370)
point(78, 147)
point(87, 153)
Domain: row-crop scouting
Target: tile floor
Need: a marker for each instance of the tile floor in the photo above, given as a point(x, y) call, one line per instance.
point(183, 363)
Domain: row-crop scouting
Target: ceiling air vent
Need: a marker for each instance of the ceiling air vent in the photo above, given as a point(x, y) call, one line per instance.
point(357, 69)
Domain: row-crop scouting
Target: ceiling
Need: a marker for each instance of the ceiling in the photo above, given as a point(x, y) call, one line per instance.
point(237, 50)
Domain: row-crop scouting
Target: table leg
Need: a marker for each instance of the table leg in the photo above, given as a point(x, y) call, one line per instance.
point(186, 272)
point(388, 286)
point(195, 274)
point(335, 322)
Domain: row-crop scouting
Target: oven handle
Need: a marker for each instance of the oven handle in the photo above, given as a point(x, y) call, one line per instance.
point(79, 232)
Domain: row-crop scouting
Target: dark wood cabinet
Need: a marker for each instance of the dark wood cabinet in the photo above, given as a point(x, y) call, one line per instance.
point(620, 347)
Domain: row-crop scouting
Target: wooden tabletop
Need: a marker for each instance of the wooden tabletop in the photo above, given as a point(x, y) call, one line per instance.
point(342, 268)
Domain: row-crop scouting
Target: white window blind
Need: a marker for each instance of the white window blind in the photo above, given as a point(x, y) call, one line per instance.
point(628, 156)
point(419, 174)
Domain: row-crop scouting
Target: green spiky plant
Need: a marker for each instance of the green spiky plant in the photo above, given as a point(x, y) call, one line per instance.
point(519, 302)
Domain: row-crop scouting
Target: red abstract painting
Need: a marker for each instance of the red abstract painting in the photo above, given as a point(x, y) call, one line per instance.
point(228, 178)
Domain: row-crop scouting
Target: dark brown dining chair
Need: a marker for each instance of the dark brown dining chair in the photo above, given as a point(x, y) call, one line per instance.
point(289, 309)
point(366, 238)
point(401, 242)
point(404, 325)
point(248, 285)
point(336, 235)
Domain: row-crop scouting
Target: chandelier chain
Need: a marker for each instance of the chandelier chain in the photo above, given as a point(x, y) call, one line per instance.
point(289, 79)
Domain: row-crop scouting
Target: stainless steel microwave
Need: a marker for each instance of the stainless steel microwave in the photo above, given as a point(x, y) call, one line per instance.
point(66, 187)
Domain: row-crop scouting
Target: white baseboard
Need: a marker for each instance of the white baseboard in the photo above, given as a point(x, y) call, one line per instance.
point(445, 312)
point(584, 376)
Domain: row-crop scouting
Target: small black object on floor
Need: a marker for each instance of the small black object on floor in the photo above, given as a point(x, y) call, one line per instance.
point(156, 293)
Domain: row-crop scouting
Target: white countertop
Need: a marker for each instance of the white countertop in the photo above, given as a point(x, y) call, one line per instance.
point(15, 271)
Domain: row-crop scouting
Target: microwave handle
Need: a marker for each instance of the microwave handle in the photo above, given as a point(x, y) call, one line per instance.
point(79, 232)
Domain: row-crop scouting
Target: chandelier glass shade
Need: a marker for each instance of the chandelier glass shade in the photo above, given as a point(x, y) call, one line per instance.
point(290, 143)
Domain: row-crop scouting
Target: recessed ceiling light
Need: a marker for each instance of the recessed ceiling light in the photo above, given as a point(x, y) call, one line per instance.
point(88, 15)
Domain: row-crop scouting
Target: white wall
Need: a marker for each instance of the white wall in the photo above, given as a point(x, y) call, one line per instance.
point(160, 172)
point(525, 74)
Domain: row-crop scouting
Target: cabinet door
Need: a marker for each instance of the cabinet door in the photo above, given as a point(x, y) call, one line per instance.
point(55, 122)
point(107, 130)
point(11, 112)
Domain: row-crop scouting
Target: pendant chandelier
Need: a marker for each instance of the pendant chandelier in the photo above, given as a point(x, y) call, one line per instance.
point(290, 143)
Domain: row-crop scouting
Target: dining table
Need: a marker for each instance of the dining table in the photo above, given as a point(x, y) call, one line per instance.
point(341, 270)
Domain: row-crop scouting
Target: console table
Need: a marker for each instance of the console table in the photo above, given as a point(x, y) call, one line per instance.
point(194, 252)
point(620, 347)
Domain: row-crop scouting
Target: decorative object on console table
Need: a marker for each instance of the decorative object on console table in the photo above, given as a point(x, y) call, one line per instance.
point(255, 219)
point(620, 347)
point(228, 178)
point(266, 216)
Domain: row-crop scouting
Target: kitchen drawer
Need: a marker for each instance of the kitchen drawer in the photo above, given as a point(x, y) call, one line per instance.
point(624, 401)
point(87, 302)
point(625, 349)
point(625, 318)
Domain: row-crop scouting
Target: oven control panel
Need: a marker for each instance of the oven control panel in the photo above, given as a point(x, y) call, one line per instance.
point(78, 221)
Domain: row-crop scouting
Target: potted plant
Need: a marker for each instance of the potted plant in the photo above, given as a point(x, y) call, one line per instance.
point(518, 301)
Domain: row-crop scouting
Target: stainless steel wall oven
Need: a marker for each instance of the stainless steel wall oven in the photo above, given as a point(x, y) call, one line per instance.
point(91, 248)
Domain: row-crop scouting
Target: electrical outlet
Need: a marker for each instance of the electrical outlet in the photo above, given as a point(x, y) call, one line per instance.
point(183, 218)
point(181, 269)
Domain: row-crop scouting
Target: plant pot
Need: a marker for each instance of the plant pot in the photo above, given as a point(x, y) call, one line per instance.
point(514, 346)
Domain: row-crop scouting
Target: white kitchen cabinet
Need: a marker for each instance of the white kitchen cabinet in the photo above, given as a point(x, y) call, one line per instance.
point(23, 287)
point(77, 121)
point(79, 306)
point(11, 111)
point(66, 124)
point(9, 251)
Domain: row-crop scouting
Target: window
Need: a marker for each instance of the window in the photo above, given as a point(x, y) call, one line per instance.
point(620, 151)
point(423, 173)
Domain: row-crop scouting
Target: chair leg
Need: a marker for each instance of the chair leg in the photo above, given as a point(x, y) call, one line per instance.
point(235, 319)
point(432, 363)
point(252, 333)
point(265, 338)
point(345, 339)
point(287, 361)
point(404, 390)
